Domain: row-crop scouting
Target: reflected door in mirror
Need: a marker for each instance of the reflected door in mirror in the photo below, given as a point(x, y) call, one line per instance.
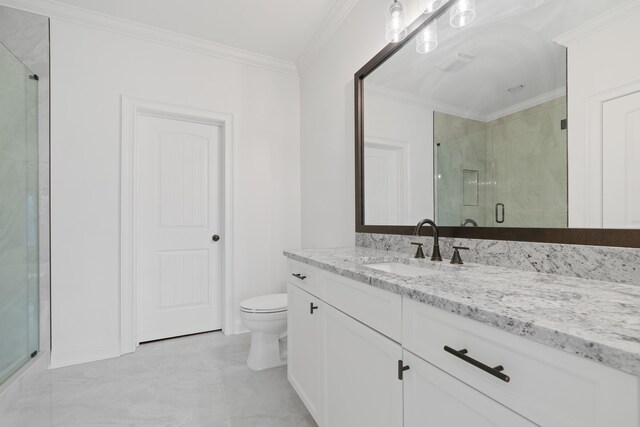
point(621, 162)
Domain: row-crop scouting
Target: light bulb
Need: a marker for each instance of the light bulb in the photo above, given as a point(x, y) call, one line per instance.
point(427, 40)
point(462, 13)
point(396, 29)
point(429, 6)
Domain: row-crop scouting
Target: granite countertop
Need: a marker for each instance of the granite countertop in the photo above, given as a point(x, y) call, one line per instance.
point(596, 320)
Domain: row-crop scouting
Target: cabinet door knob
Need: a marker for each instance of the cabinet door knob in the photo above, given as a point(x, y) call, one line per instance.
point(215, 237)
point(312, 307)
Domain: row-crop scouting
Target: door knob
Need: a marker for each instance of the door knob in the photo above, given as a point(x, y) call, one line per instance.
point(215, 238)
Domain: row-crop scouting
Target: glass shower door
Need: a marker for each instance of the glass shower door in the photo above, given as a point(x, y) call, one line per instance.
point(19, 257)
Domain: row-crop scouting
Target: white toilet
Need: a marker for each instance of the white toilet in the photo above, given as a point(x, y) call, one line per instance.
point(266, 318)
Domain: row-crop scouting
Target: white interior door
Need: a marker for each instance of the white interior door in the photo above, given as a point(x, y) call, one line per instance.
point(384, 184)
point(620, 160)
point(180, 210)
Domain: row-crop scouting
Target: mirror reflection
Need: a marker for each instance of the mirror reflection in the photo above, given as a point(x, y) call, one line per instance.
point(468, 125)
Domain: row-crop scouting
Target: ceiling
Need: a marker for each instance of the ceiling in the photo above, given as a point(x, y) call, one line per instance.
point(509, 44)
point(279, 29)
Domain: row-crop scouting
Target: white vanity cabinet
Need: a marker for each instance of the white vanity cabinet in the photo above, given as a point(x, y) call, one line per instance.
point(361, 375)
point(305, 340)
point(547, 386)
point(345, 362)
point(434, 398)
point(344, 372)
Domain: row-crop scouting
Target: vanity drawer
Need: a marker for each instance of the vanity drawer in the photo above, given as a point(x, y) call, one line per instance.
point(306, 277)
point(380, 310)
point(548, 386)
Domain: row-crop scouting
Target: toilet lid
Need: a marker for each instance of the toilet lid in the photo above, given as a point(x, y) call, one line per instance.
point(265, 304)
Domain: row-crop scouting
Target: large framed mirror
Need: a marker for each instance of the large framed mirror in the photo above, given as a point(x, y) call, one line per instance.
point(469, 126)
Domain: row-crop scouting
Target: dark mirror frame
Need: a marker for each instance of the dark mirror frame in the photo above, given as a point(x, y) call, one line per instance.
point(577, 236)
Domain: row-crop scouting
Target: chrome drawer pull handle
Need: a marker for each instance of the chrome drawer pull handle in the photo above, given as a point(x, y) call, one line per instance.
point(299, 276)
point(462, 354)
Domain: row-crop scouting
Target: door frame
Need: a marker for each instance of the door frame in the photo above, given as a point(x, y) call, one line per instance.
point(593, 167)
point(133, 110)
point(404, 170)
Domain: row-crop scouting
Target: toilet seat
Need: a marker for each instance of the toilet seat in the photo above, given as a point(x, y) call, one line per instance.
point(275, 303)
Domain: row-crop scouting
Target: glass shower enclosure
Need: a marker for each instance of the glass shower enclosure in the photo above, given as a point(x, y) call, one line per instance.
point(19, 257)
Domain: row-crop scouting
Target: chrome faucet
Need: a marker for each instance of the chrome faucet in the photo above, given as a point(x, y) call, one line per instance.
point(435, 255)
point(467, 221)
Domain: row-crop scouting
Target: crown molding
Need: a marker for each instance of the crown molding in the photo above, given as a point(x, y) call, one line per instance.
point(597, 24)
point(420, 102)
point(329, 26)
point(528, 103)
point(64, 12)
point(425, 103)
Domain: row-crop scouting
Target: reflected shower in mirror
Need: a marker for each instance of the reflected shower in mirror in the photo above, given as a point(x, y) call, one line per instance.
point(476, 128)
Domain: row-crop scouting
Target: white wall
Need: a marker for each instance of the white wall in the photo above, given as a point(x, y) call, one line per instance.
point(605, 60)
point(91, 68)
point(394, 120)
point(327, 126)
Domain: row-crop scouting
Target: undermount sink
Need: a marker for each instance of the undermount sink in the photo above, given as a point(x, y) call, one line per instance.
point(400, 269)
point(408, 270)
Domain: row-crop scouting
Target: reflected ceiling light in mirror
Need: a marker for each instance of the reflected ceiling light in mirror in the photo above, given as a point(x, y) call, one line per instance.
point(427, 40)
point(462, 13)
point(429, 6)
point(396, 29)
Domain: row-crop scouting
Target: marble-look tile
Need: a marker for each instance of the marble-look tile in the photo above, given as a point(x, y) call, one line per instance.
point(194, 381)
point(592, 319)
point(608, 264)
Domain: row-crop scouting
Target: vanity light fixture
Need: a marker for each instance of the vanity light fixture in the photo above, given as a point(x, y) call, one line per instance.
point(462, 13)
point(396, 30)
point(427, 40)
point(429, 6)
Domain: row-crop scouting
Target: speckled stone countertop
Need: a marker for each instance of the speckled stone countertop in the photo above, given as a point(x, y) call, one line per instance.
point(596, 320)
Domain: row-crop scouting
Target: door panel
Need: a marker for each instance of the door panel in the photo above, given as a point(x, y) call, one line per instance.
point(385, 184)
point(361, 375)
point(184, 180)
point(620, 160)
point(184, 278)
point(180, 209)
point(435, 398)
point(305, 346)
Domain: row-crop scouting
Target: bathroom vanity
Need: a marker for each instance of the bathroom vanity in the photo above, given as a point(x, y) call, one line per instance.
point(377, 338)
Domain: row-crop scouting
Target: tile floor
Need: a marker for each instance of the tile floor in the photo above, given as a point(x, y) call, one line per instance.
point(200, 380)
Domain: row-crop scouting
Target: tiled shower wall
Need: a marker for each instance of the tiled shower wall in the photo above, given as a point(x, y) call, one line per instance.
point(27, 36)
point(521, 160)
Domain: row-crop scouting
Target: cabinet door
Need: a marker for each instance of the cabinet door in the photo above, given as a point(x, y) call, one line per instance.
point(361, 375)
point(305, 347)
point(434, 398)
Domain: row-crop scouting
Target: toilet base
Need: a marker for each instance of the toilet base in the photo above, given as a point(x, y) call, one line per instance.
point(264, 352)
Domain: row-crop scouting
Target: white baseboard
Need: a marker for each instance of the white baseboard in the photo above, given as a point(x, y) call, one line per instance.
point(238, 328)
point(83, 354)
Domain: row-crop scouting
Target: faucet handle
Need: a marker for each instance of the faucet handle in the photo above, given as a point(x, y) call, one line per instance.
point(456, 259)
point(419, 253)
